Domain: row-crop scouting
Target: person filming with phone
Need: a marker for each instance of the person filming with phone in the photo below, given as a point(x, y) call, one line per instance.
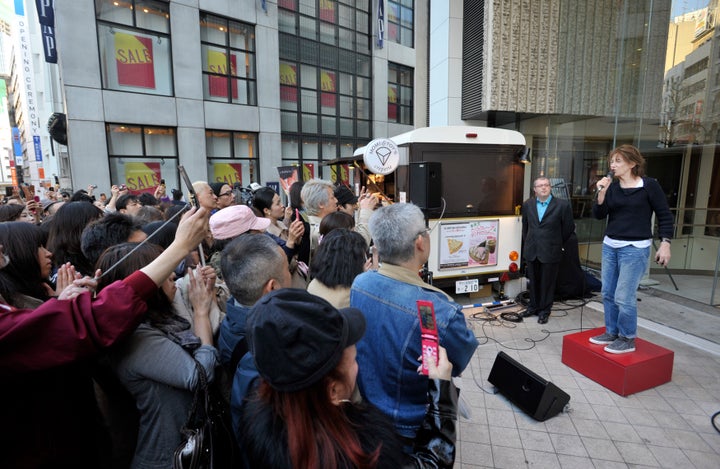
point(303, 415)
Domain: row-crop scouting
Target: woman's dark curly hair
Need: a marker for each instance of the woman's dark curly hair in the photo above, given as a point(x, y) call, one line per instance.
point(20, 241)
point(339, 258)
point(65, 233)
point(159, 304)
point(11, 212)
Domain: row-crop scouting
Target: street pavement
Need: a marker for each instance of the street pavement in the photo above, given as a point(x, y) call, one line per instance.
point(666, 426)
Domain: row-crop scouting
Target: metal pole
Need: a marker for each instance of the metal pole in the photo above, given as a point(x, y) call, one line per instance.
point(715, 278)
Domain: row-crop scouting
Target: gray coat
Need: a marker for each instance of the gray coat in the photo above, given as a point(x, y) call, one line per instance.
point(162, 377)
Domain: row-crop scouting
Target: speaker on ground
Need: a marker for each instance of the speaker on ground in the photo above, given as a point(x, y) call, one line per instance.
point(536, 396)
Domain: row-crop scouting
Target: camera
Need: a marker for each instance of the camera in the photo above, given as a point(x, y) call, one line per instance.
point(122, 187)
point(94, 186)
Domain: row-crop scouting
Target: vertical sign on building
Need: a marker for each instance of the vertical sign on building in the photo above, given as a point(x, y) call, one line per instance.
point(17, 146)
point(46, 15)
point(27, 83)
point(38, 148)
point(381, 23)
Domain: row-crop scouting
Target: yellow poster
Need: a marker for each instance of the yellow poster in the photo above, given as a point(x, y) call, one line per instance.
point(229, 173)
point(142, 177)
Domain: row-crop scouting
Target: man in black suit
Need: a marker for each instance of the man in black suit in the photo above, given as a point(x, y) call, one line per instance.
point(547, 224)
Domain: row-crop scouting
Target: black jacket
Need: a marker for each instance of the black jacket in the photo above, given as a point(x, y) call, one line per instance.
point(265, 436)
point(543, 240)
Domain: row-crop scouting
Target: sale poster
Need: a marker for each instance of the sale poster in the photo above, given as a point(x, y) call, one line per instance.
point(142, 177)
point(134, 60)
point(229, 173)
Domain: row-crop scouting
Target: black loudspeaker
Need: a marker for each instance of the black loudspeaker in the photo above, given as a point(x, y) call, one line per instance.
point(426, 184)
point(536, 396)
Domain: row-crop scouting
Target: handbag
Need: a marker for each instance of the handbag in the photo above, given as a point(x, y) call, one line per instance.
point(208, 439)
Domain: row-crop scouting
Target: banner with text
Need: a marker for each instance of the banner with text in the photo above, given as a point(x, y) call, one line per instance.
point(134, 59)
point(288, 176)
point(229, 173)
point(288, 83)
point(218, 63)
point(142, 177)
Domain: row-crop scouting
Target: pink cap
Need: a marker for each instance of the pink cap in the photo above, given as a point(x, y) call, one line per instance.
point(235, 220)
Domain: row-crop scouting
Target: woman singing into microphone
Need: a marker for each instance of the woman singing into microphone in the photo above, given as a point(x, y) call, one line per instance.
point(628, 203)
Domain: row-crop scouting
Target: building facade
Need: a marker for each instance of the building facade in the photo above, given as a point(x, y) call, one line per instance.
point(233, 89)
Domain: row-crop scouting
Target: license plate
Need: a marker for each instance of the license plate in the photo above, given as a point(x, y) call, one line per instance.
point(467, 286)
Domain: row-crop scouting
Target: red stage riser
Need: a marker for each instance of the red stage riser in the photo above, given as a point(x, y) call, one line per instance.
point(648, 366)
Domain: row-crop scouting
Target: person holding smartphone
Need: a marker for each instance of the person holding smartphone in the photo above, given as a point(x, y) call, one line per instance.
point(305, 351)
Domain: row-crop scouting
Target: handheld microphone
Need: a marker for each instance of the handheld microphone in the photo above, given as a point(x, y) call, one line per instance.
point(610, 175)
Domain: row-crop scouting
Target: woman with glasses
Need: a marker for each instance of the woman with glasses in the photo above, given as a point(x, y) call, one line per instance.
point(224, 193)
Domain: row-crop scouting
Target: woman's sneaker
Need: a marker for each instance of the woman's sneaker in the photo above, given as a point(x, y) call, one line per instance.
point(621, 345)
point(603, 339)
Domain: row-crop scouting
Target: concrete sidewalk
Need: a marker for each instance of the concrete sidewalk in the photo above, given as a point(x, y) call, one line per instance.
point(667, 426)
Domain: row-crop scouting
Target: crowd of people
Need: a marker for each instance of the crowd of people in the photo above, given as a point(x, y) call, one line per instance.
point(111, 309)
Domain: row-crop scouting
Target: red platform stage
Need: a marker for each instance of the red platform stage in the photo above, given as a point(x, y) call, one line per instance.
point(648, 366)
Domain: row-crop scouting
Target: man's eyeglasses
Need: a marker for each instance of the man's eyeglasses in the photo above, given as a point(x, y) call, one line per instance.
point(424, 232)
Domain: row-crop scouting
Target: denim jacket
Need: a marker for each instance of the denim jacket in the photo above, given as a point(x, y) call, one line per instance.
point(388, 353)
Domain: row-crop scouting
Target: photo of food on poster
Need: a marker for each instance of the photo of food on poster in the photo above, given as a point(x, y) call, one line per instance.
point(454, 244)
point(468, 244)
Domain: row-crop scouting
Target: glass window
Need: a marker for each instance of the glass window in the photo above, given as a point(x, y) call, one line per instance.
point(286, 22)
point(140, 156)
point(134, 43)
point(308, 27)
point(324, 67)
point(309, 101)
point(400, 22)
point(400, 94)
point(228, 58)
point(232, 157)
point(289, 121)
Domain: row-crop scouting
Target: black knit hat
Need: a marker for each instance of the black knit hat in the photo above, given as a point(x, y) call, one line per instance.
point(297, 338)
point(344, 195)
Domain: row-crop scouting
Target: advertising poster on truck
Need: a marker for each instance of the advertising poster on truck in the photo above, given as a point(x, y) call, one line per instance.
point(468, 244)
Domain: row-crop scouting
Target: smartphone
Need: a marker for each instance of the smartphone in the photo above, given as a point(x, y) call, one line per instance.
point(428, 333)
point(36, 198)
point(122, 187)
point(186, 180)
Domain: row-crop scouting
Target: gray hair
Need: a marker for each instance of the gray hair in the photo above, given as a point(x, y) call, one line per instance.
point(248, 263)
point(315, 193)
point(540, 178)
point(394, 229)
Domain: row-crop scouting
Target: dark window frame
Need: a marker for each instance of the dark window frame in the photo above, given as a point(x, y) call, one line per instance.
point(249, 82)
point(401, 86)
point(402, 30)
point(133, 26)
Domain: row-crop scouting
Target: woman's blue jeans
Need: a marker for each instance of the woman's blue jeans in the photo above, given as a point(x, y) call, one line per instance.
point(622, 270)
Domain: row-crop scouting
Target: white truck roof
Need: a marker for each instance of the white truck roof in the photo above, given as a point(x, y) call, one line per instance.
point(456, 134)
